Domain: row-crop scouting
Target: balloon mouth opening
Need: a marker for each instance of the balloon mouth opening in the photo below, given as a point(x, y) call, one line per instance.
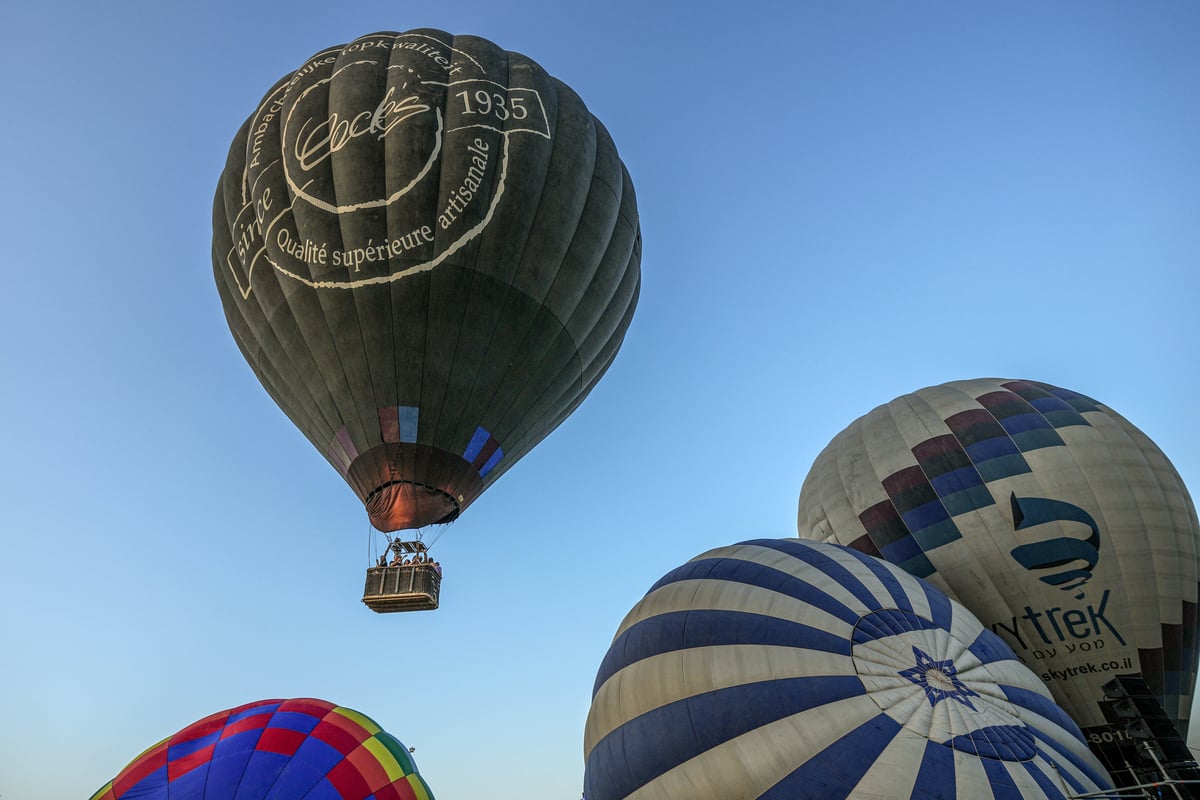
point(406, 485)
point(405, 504)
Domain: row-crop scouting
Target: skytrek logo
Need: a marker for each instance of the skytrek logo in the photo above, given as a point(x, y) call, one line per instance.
point(1076, 629)
point(1071, 559)
point(1067, 564)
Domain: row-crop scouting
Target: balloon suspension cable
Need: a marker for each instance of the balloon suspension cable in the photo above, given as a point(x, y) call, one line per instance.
point(372, 543)
point(440, 532)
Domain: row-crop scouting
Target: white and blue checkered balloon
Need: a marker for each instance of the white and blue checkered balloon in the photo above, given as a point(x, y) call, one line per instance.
point(788, 669)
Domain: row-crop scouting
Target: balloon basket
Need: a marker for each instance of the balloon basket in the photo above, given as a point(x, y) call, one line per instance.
point(409, 587)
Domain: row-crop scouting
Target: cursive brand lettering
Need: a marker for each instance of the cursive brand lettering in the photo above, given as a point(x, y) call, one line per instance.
point(326, 138)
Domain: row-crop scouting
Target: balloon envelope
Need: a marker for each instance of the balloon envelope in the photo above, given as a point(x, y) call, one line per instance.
point(301, 749)
point(790, 669)
point(428, 251)
point(1056, 521)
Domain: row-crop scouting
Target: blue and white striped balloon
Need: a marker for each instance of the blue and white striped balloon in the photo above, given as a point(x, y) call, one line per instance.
point(785, 669)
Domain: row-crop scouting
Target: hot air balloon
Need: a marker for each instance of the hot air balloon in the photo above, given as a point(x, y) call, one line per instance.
point(779, 668)
point(428, 251)
point(301, 749)
point(1056, 521)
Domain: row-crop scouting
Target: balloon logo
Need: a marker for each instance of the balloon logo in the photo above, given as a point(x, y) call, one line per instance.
point(313, 134)
point(1029, 512)
point(1057, 522)
point(428, 251)
point(939, 679)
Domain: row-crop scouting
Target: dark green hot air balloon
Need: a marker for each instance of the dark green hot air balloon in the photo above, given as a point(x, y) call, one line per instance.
point(428, 251)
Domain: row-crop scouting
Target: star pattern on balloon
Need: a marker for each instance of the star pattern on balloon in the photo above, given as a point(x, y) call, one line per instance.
point(939, 679)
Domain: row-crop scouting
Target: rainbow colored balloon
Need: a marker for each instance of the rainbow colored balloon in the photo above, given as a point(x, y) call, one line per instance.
point(300, 749)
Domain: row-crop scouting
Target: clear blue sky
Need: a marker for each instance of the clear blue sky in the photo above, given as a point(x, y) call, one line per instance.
point(840, 203)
